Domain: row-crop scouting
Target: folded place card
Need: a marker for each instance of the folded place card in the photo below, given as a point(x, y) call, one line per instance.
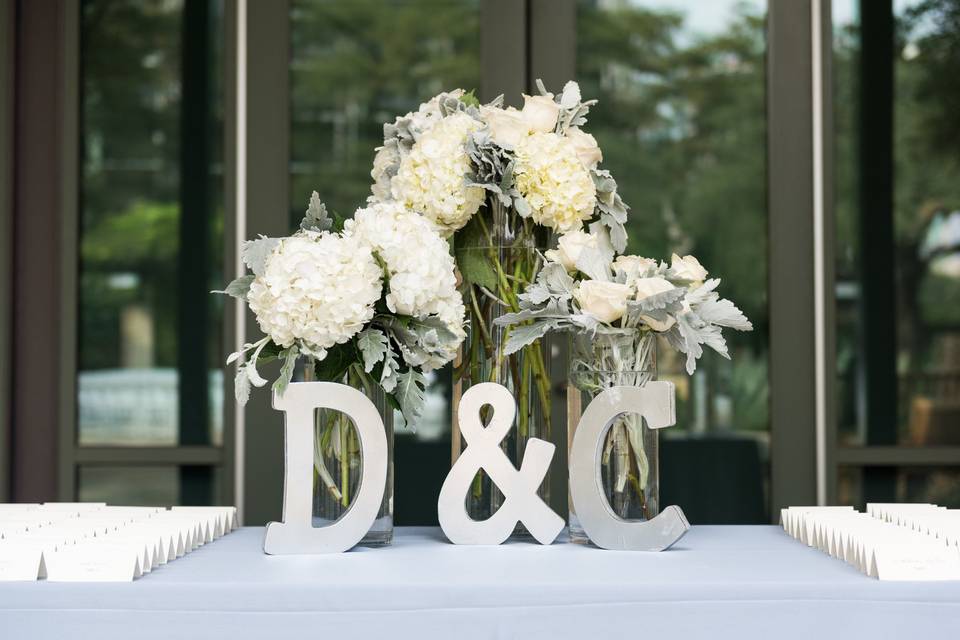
point(889, 542)
point(94, 542)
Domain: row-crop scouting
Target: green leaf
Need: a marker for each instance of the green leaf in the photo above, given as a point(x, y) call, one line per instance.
point(335, 365)
point(475, 269)
point(373, 346)
point(238, 288)
point(470, 98)
point(255, 253)
point(286, 371)
point(316, 218)
point(410, 395)
point(473, 260)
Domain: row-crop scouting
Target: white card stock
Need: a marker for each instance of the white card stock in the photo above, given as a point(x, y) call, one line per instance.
point(890, 542)
point(80, 542)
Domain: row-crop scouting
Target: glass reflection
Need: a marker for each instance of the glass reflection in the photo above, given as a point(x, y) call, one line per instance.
point(138, 247)
point(682, 124)
point(920, 227)
point(355, 65)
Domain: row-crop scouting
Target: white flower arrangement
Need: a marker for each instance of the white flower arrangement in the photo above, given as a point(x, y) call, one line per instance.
point(553, 181)
point(536, 161)
point(430, 178)
point(584, 288)
point(318, 289)
point(419, 268)
point(358, 303)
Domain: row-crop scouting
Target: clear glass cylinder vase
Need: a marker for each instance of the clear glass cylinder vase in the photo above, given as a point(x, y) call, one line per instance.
point(499, 255)
point(337, 463)
point(629, 465)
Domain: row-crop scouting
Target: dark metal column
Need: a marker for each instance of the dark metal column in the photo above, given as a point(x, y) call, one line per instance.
point(193, 258)
point(791, 275)
point(7, 47)
point(37, 230)
point(878, 289)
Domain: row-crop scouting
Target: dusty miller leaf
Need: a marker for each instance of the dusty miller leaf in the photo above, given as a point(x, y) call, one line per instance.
point(409, 393)
point(241, 385)
point(286, 371)
point(373, 346)
point(239, 287)
point(593, 263)
point(256, 252)
point(525, 335)
point(658, 300)
point(388, 378)
point(724, 313)
point(316, 218)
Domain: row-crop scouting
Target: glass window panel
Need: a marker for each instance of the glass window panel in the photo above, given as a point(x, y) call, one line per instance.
point(924, 224)
point(141, 257)
point(147, 485)
point(682, 125)
point(355, 65)
point(937, 485)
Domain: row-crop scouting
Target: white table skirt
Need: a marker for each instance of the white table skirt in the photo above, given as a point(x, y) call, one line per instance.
point(718, 582)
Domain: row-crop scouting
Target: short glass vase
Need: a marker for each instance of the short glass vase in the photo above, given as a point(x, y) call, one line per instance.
point(337, 465)
point(629, 466)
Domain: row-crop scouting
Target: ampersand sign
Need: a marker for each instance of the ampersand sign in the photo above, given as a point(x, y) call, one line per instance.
point(519, 488)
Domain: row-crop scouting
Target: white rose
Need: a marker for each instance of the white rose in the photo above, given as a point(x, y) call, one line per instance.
point(688, 268)
point(507, 126)
point(569, 247)
point(587, 148)
point(606, 301)
point(540, 112)
point(633, 266)
point(647, 287)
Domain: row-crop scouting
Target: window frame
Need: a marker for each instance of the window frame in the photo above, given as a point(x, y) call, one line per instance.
point(805, 455)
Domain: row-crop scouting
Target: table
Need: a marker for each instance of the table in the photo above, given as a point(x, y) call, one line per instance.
point(718, 582)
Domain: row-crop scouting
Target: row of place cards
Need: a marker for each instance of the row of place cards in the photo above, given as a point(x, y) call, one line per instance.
point(93, 542)
point(889, 542)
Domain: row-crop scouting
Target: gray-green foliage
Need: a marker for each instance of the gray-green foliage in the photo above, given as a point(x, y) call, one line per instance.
point(239, 287)
point(409, 394)
point(256, 252)
point(316, 217)
point(695, 314)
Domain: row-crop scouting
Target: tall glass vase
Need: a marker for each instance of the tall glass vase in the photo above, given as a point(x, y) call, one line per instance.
point(629, 466)
point(499, 254)
point(337, 464)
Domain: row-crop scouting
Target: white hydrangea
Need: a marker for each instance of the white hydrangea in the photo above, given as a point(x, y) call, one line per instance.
point(316, 288)
point(554, 182)
point(431, 179)
point(421, 271)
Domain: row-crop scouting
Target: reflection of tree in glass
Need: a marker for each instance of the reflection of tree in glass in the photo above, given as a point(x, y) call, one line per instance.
point(356, 64)
point(682, 124)
point(926, 187)
point(130, 122)
point(129, 213)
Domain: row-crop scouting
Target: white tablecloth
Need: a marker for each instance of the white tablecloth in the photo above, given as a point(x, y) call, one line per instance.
point(718, 582)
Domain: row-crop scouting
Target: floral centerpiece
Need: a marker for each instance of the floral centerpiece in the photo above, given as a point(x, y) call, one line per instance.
point(616, 307)
point(500, 181)
point(356, 306)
